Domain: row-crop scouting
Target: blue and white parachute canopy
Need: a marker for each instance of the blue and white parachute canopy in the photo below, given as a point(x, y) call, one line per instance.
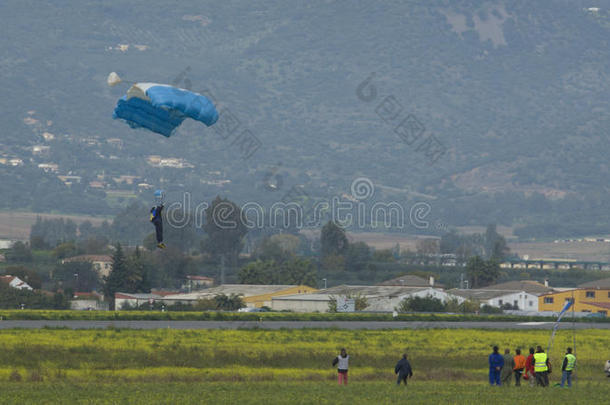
point(162, 108)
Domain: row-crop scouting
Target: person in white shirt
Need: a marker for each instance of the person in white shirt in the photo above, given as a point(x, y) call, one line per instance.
point(341, 361)
point(607, 368)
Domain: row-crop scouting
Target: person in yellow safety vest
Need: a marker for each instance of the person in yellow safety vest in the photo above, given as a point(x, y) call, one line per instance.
point(541, 367)
point(569, 362)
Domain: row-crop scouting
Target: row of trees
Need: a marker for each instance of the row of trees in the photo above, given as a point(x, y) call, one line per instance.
point(431, 304)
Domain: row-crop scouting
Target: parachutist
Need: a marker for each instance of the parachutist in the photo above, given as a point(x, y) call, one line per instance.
point(157, 220)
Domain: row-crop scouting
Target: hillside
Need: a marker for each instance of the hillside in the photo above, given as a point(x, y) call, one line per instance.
point(515, 94)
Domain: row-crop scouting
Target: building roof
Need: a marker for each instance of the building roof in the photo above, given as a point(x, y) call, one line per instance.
point(410, 280)
point(89, 258)
point(7, 279)
point(482, 293)
point(602, 284)
point(139, 296)
point(371, 290)
point(88, 295)
point(304, 297)
point(529, 286)
point(203, 278)
point(245, 290)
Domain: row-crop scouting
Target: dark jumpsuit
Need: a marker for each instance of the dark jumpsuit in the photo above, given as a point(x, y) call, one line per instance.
point(156, 219)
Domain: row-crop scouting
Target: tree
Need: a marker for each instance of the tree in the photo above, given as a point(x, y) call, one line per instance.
point(427, 246)
point(26, 274)
point(19, 253)
point(495, 244)
point(137, 274)
point(384, 256)
point(481, 272)
point(131, 224)
point(12, 298)
point(333, 241)
point(225, 228)
point(357, 256)
point(421, 304)
point(297, 271)
point(258, 272)
point(117, 279)
point(79, 276)
point(229, 303)
point(66, 249)
point(279, 247)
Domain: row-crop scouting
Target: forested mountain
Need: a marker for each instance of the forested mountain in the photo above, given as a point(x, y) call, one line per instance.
point(515, 95)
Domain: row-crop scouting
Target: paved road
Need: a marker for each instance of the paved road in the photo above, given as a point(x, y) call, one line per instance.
point(291, 325)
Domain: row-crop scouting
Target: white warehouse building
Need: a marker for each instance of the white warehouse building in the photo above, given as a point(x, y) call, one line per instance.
point(497, 298)
point(379, 298)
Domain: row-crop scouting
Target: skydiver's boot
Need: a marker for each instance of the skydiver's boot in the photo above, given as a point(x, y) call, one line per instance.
point(161, 245)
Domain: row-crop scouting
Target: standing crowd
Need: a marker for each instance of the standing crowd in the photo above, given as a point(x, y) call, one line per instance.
point(535, 368)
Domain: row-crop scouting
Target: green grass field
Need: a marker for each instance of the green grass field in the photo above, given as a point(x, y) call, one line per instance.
point(280, 366)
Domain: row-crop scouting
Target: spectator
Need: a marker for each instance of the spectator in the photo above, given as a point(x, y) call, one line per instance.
point(403, 369)
point(569, 362)
point(496, 361)
point(507, 370)
point(530, 373)
point(341, 361)
point(519, 362)
point(607, 368)
point(541, 367)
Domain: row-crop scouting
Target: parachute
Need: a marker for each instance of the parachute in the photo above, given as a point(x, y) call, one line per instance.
point(161, 108)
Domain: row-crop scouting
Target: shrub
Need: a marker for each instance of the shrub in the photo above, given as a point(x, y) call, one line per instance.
point(15, 376)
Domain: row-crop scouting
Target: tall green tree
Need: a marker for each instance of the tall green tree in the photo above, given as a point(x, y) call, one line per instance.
point(333, 241)
point(225, 228)
point(482, 272)
point(495, 244)
point(117, 280)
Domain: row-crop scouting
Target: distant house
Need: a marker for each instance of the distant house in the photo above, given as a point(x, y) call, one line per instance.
point(197, 282)
point(40, 149)
point(15, 282)
point(520, 299)
point(69, 180)
point(97, 184)
point(88, 301)
point(125, 179)
point(6, 243)
point(586, 299)
point(529, 286)
point(49, 167)
point(102, 264)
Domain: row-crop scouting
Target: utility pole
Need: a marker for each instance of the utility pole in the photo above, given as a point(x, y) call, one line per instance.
point(222, 269)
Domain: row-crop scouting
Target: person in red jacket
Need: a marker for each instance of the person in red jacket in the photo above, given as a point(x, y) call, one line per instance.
point(530, 373)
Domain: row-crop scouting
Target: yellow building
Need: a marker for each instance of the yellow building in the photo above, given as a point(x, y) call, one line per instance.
point(585, 300)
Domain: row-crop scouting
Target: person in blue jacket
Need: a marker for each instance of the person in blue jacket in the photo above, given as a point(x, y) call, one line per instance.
point(496, 362)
